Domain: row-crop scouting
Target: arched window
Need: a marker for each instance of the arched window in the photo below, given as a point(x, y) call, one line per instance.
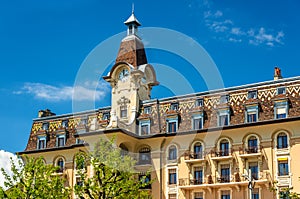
point(145, 155)
point(60, 163)
point(198, 150)
point(252, 145)
point(282, 141)
point(224, 148)
point(172, 153)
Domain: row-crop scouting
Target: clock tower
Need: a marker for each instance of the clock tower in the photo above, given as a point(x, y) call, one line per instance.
point(131, 79)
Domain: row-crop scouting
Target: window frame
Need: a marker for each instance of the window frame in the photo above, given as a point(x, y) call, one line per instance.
point(221, 114)
point(61, 167)
point(286, 168)
point(224, 99)
point(147, 124)
point(251, 110)
point(281, 105)
point(283, 137)
point(172, 155)
point(42, 138)
point(173, 121)
point(123, 112)
point(201, 122)
point(281, 87)
point(252, 94)
point(174, 106)
point(172, 177)
point(199, 102)
point(58, 137)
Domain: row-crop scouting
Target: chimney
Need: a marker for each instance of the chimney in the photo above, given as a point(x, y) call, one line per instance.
point(45, 113)
point(277, 73)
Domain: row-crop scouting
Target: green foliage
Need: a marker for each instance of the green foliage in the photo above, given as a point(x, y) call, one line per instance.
point(284, 193)
point(34, 180)
point(113, 174)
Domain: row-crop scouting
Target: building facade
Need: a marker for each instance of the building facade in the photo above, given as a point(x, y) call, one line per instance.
point(197, 146)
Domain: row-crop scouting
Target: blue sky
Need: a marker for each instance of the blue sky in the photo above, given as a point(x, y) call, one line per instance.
point(43, 44)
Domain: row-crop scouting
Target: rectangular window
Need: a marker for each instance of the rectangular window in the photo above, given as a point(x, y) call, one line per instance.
point(283, 168)
point(174, 106)
point(41, 143)
point(173, 196)
point(198, 195)
point(199, 103)
point(172, 127)
point(197, 123)
point(198, 175)
point(105, 116)
point(45, 126)
point(281, 90)
point(225, 173)
point(251, 117)
point(255, 193)
point(223, 120)
point(281, 113)
point(172, 176)
point(147, 110)
point(123, 112)
point(60, 140)
point(253, 166)
point(224, 99)
point(225, 194)
point(64, 123)
point(145, 129)
point(252, 95)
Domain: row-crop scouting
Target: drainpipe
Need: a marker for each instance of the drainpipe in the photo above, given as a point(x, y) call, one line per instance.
point(161, 167)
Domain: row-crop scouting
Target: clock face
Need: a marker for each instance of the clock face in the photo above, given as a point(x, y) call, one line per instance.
point(124, 75)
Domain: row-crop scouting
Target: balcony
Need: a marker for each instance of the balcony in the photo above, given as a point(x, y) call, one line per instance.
point(190, 157)
point(253, 151)
point(221, 154)
point(210, 181)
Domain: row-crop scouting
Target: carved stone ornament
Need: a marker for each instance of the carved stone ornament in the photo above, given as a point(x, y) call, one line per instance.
point(123, 101)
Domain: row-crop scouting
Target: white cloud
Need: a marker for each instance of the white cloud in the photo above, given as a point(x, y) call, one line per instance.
point(5, 163)
point(264, 37)
point(86, 92)
point(216, 22)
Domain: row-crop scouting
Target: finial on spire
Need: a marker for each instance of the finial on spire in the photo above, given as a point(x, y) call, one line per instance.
point(132, 8)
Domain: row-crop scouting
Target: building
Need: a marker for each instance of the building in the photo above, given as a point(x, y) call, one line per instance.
point(199, 145)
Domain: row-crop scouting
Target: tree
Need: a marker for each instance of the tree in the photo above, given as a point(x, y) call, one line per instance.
point(113, 174)
point(34, 180)
point(284, 193)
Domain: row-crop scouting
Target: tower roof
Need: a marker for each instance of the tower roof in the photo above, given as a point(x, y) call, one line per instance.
point(132, 48)
point(132, 51)
point(132, 19)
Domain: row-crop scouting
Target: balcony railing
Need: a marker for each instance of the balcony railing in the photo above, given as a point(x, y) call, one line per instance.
point(250, 150)
point(221, 153)
point(190, 155)
point(224, 179)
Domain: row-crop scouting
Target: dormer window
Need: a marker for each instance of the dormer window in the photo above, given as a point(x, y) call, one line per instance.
point(174, 106)
point(199, 103)
point(60, 140)
point(83, 121)
point(281, 109)
point(106, 116)
point(281, 90)
point(42, 142)
point(147, 110)
point(64, 123)
point(224, 117)
point(224, 99)
point(251, 114)
point(252, 95)
point(45, 126)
